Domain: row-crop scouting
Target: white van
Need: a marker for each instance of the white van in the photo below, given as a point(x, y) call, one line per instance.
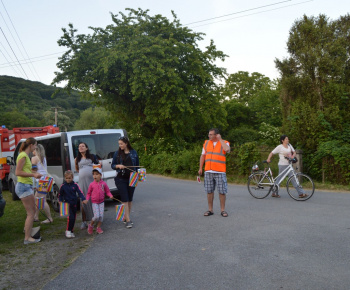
point(61, 150)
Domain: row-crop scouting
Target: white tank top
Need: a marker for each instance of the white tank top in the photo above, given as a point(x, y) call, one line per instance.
point(42, 167)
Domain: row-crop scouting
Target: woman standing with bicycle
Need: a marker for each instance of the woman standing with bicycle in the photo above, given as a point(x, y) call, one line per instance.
point(284, 150)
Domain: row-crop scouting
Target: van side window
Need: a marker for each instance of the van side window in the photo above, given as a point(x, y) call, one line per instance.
point(53, 151)
point(101, 145)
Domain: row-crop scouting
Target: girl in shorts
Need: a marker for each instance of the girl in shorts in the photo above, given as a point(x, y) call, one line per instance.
point(125, 160)
point(24, 186)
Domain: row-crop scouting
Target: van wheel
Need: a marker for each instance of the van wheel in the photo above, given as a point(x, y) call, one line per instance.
point(13, 191)
point(54, 198)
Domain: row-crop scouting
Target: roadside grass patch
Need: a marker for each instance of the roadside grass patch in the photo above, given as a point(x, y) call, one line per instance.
point(12, 225)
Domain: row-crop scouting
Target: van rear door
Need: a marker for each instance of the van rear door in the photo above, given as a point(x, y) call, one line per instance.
point(103, 144)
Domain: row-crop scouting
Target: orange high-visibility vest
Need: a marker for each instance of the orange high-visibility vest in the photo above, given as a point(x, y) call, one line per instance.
point(215, 156)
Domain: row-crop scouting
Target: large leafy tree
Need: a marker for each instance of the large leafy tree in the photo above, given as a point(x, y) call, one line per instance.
point(315, 80)
point(241, 86)
point(316, 93)
point(94, 118)
point(148, 72)
point(253, 107)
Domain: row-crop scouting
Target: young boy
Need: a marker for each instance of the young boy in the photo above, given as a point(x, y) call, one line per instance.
point(68, 193)
point(97, 190)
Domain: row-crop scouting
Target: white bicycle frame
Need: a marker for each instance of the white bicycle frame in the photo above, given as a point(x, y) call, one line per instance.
point(282, 175)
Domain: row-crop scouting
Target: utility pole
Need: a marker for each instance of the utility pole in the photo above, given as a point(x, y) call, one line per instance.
point(56, 113)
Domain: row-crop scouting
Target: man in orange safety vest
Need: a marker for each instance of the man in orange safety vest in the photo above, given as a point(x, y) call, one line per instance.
point(214, 155)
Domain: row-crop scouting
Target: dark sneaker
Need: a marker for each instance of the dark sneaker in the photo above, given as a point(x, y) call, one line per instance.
point(275, 190)
point(128, 225)
point(83, 226)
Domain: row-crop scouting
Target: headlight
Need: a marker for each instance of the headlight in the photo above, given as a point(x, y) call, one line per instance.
point(255, 167)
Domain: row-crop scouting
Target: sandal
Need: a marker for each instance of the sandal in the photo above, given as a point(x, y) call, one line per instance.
point(303, 195)
point(275, 195)
point(208, 213)
point(224, 213)
point(47, 221)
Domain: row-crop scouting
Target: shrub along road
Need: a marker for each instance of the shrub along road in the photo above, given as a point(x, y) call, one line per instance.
point(262, 244)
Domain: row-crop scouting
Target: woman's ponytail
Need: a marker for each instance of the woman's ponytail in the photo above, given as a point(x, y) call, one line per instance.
point(27, 143)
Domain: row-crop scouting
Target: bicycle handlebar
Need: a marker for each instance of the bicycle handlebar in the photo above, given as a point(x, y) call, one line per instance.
point(290, 160)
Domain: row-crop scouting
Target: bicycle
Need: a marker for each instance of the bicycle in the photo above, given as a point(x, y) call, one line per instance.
point(261, 183)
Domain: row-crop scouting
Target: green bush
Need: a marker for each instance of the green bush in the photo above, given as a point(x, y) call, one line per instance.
point(331, 160)
point(238, 162)
point(184, 162)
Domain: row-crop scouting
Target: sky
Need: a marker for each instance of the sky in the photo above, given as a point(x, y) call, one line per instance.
point(252, 33)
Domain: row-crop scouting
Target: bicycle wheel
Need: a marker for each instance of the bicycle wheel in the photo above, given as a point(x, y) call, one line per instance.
point(298, 184)
point(259, 185)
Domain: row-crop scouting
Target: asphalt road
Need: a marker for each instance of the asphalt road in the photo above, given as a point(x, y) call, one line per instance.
point(263, 244)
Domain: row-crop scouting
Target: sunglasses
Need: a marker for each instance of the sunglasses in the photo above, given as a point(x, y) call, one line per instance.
point(123, 139)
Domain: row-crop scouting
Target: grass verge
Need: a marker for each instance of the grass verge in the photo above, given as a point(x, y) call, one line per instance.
point(12, 224)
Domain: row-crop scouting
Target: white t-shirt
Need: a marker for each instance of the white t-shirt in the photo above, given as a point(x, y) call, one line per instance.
point(203, 153)
point(282, 152)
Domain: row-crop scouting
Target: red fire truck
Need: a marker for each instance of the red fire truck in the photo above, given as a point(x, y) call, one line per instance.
point(9, 140)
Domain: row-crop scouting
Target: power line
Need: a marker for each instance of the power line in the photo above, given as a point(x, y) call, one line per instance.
point(18, 39)
point(26, 61)
point(253, 13)
point(10, 33)
point(13, 66)
point(237, 12)
point(13, 52)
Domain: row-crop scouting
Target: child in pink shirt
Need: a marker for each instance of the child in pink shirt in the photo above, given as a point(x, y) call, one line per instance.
point(96, 192)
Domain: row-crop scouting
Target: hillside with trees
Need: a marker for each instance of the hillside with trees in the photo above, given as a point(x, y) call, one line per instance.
point(26, 103)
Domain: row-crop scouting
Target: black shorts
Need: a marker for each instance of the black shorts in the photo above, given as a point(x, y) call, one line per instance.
point(126, 192)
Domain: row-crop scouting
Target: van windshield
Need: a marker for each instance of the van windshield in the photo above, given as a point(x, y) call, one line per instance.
point(102, 145)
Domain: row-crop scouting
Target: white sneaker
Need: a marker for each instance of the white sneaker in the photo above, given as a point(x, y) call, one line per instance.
point(72, 235)
point(68, 234)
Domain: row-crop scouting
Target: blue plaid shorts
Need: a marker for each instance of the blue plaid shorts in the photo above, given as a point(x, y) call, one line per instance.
point(213, 180)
